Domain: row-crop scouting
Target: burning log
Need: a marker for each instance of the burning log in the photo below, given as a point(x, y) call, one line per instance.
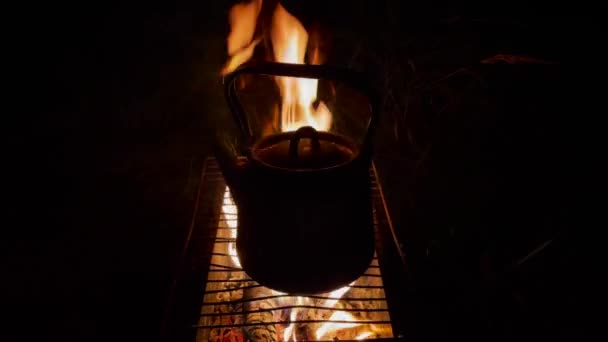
point(227, 295)
point(265, 331)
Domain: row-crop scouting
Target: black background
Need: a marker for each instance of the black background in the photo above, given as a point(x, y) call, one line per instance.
point(116, 107)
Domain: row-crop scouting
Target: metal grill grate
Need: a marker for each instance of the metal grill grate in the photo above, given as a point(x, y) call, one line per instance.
point(235, 308)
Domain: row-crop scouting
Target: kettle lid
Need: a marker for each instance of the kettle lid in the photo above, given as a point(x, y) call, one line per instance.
point(305, 149)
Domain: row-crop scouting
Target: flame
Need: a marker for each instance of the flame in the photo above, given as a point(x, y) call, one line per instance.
point(289, 332)
point(289, 40)
point(240, 42)
point(229, 214)
point(328, 328)
point(314, 42)
point(364, 335)
point(337, 295)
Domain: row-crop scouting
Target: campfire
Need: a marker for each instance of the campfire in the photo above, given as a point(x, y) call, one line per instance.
point(235, 307)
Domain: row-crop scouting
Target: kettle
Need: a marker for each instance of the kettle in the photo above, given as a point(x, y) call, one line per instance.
point(305, 222)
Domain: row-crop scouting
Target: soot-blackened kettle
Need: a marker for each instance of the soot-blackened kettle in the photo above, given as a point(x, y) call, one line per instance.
point(303, 197)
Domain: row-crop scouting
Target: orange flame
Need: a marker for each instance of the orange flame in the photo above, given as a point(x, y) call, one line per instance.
point(337, 295)
point(242, 18)
point(289, 333)
point(289, 40)
point(328, 328)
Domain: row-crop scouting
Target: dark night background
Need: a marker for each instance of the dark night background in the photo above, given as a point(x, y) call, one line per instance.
point(481, 162)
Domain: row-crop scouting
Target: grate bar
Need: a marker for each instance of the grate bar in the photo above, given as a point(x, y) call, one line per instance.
point(248, 300)
point(239, 270)
point(226, 268)
point(214, 314)
point(255, 324)
point(228, 280)
point(374, 260)
point(257, 285)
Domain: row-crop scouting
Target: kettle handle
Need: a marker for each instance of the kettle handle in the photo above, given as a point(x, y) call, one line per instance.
point(350, 77)
point(304, 132)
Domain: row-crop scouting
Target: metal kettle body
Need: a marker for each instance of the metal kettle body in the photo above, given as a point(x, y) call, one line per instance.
point(301, 230)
